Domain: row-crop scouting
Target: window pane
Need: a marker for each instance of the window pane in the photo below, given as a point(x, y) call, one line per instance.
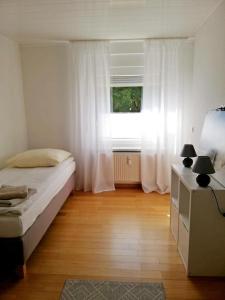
point(126, 99)
point(126, 126)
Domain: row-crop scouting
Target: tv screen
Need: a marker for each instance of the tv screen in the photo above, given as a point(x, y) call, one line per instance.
point(213, 139)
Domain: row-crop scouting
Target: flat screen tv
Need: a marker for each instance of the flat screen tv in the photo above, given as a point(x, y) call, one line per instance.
point(213, 139)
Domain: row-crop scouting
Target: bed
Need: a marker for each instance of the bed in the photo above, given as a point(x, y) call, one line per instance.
point(22, 227)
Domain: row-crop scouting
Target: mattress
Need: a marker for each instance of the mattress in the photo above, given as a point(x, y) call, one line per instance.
point(47, 181)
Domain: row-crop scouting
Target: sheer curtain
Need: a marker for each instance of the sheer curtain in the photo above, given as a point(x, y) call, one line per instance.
point(162, 112)
point(90, 116)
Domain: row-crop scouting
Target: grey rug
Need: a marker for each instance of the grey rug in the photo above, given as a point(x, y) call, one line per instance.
point(111, 290)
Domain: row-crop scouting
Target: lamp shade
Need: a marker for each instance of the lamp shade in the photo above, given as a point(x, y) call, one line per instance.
point(203, 165)
point(188, 151)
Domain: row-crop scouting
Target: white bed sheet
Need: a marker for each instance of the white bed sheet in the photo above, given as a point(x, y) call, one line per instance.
point(47, 181)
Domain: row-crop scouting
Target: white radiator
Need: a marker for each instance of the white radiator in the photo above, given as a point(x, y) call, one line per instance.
point(127, 167)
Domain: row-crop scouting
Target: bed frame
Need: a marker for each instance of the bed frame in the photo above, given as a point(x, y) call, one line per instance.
point(14, 252)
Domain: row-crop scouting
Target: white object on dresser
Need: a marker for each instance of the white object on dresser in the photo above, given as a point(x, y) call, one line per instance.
point(196, 223)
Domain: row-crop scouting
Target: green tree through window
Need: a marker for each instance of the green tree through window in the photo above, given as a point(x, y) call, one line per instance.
point(126, 99)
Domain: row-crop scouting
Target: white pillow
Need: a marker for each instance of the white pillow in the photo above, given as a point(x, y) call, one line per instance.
point(38, 158)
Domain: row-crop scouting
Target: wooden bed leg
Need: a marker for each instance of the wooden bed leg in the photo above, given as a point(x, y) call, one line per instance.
point(20, 271)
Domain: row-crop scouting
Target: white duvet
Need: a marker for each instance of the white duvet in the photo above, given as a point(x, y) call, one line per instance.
point(35, 178)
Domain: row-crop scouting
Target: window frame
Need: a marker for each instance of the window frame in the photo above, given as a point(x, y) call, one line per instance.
point(126, 69)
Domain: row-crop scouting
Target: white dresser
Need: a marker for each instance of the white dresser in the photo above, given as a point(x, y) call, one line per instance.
point(196, 223)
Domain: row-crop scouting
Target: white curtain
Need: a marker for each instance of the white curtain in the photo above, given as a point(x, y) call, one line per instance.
point(162, 112)
point(90, 116)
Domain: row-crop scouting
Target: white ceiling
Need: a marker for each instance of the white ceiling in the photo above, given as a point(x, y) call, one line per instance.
point(26, 20)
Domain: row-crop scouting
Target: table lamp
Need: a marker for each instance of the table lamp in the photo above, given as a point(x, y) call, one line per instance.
point(203, 166)
point(188, 151)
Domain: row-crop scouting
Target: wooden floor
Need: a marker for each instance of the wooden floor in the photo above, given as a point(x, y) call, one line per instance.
point(121, 235)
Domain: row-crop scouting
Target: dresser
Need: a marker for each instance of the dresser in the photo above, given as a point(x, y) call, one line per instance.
point(196, 224)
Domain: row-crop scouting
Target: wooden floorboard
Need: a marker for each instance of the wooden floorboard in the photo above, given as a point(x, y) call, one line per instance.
point(122, 235)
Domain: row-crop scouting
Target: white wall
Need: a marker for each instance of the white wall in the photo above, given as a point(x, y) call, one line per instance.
point(209, 69)
point(13, 134)
point(186, 82)
point(46, 91)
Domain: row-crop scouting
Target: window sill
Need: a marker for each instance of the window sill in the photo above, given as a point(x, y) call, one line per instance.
point(126, 145)
point(126, 149)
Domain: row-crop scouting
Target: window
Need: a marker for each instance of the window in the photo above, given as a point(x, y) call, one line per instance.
point(127, 68)
point(126, 99)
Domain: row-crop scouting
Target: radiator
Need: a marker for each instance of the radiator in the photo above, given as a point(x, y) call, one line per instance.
point(127, 167)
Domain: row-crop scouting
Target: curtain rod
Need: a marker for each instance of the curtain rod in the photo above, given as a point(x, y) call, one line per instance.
point(136, 39)
point(31, 42)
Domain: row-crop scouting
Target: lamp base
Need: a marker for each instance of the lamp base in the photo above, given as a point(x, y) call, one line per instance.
point(203, 180)
point(187, 162)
